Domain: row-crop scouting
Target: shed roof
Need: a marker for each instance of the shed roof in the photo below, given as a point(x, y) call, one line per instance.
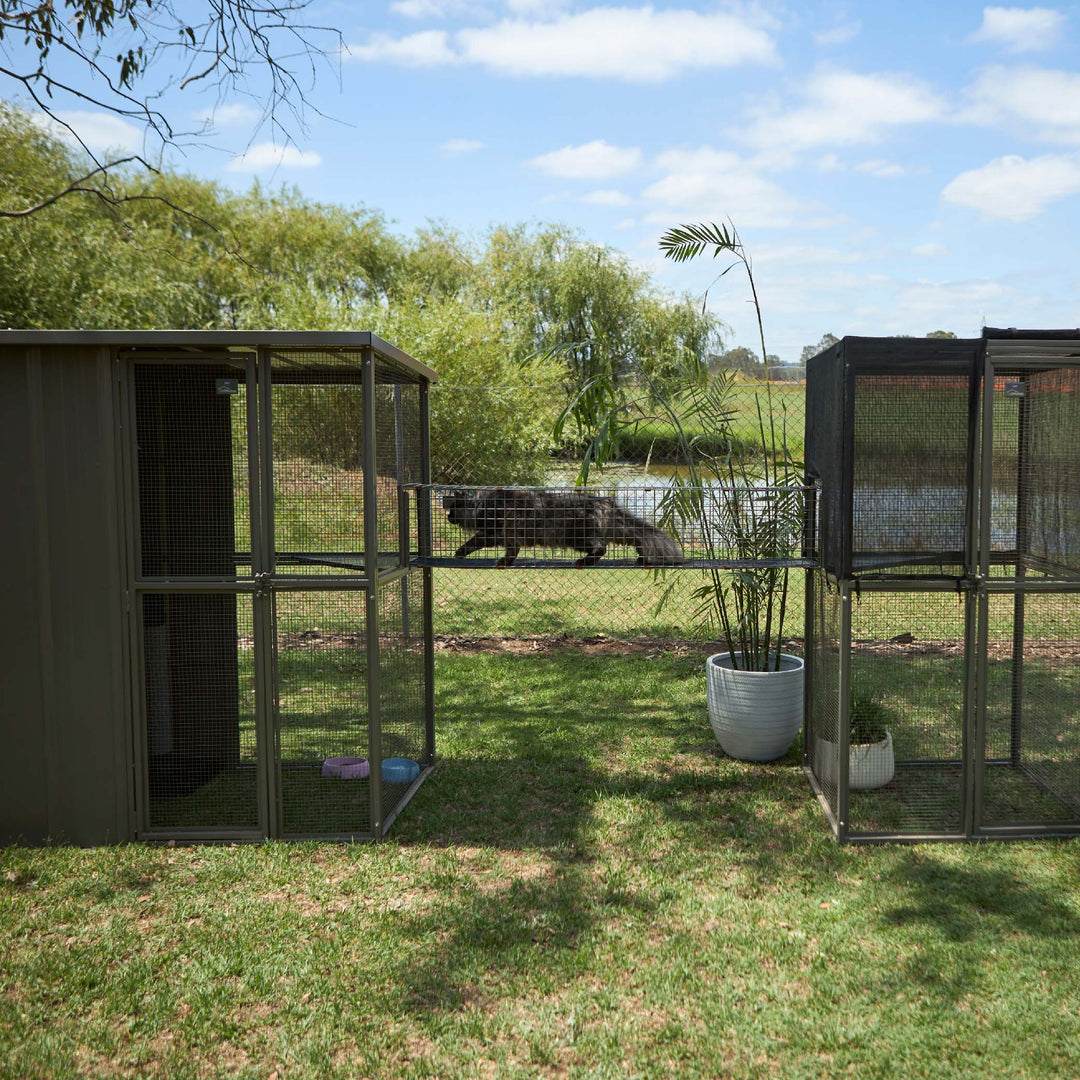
point(199, 340)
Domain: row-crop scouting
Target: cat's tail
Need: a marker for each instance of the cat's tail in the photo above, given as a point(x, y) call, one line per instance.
point(653, 545)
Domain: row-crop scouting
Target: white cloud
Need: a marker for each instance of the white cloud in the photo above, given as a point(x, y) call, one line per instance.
point(606, 197)
point(881, 168)
point(429, 9)
point(461, 146)
point(838, 35)
point(630, 44)
point(271, 156)
point(1014, 188)
point(716, 184)
point(596, 160)
point(535, 7)
point(233, 115)
point(1021, 29)
point(1036, 101)
point(929, 251)
point(948, 303)
point(98, 131)
point(428, 48)
point(843, 107)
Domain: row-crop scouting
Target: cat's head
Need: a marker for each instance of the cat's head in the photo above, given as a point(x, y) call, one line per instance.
point(460, 509)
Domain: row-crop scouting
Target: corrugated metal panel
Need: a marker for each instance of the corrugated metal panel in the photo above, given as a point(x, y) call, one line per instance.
point(63, 726)
point(89, 800)
point(24, 790)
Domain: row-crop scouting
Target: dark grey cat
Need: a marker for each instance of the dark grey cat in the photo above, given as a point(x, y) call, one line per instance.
point(515, 518)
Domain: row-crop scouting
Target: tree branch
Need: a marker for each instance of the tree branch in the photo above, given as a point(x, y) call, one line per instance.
point(76, 186)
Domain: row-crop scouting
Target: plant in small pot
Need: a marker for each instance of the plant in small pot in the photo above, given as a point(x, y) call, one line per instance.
point(871, 761)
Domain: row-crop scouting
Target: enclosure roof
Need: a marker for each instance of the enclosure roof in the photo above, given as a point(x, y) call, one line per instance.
point(1031, 335)
point(221, 339)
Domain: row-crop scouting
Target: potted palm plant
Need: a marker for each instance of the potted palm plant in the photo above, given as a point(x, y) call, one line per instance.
point(744, 507)
point(749, 510)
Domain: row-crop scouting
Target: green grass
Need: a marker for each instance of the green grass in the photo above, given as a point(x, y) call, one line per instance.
point(654, 438)
point(619, 602)
point(585, 888)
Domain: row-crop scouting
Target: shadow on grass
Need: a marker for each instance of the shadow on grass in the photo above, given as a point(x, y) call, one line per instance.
point(599, 785)
point(957, 902)
point(527, 764)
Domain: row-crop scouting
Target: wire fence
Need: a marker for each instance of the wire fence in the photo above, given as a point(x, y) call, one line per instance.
point(525, 551)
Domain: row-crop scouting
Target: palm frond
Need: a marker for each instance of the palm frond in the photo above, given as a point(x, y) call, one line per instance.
point(685, 242)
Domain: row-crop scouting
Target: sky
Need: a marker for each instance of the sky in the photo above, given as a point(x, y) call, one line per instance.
point(891, 168)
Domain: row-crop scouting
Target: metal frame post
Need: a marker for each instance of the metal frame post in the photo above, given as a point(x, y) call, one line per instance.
point(843, 734)
point(424, 543)
point(371, 563)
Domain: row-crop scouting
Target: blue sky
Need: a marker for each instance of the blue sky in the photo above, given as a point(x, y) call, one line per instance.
point(892, 168)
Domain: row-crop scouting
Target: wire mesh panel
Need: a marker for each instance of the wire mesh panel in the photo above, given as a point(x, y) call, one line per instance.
point(1035, 482)
point(908, 672)
point(322, 713)
point(199, 731)
point(406, 738)
point(545, 598)
point(821, 739)
point(891, 425)
point(192, 470)
point(399, 470)
point(318, 480)
point(910, 481)
point(1031, 760)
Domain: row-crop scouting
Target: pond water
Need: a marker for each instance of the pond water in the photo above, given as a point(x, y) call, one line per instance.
point(908, 517)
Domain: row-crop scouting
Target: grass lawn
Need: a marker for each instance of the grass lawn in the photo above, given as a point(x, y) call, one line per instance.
point(585, 888)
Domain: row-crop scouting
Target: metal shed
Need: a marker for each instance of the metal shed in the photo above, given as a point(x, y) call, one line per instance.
point(215, 624)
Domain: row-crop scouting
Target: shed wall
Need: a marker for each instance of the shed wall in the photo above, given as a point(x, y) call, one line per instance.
point(63, 732)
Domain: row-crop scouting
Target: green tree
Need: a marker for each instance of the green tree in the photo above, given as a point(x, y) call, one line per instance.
point(810, 351)
point(589, 302)
point(485, 316)
point(122, 56)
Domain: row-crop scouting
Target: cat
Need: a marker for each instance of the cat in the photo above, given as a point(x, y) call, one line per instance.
point(515, 518)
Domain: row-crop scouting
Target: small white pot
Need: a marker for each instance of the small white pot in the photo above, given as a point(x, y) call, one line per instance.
point(870, 765)
point(755, 715)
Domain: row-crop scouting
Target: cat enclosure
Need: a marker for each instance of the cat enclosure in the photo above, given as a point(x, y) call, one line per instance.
point(221, 630)
point(946, 603)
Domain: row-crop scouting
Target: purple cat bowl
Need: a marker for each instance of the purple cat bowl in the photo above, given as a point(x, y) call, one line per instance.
point(346, 768)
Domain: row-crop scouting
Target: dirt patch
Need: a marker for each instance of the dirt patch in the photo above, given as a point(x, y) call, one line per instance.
point(1052, 653)
point(543, 644)
point(596, 645)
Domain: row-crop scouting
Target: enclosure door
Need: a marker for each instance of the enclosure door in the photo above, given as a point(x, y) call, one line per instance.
point(193, 554)
point(1028, 722)
point(317, 463)
point(1029, 750)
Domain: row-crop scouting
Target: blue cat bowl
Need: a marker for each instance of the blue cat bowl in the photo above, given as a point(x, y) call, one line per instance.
point(399, 770)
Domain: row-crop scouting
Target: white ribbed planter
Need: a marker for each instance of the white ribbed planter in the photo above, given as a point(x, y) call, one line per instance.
point(755, 715)
point(870, 765)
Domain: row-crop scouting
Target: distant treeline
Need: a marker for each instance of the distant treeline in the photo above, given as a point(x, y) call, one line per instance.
point(514, 308)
